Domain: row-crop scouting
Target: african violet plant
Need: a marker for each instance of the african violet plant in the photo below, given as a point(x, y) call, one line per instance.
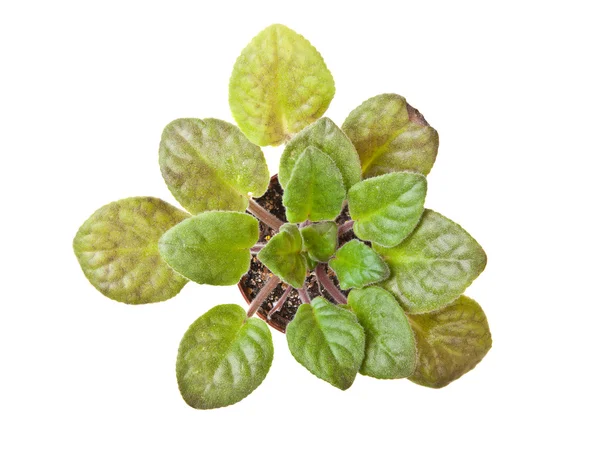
point(406, 266)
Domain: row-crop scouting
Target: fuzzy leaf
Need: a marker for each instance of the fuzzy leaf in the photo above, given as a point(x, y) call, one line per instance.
point(434, 265)
point(117, 249)
point(328, 341)
point(356, 265)
point(330, 139)
point(310, 263)
point(283, 256)
point(223, 357)
point(390, 351)
point(212, 247)
point(279, 85)
point(450, 342)
point(389, 136)
point(320, 240)
point(386, 208)
point(316, 190)
point(210, 165)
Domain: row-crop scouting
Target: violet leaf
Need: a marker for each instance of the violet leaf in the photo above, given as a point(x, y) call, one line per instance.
point(210, 165)
point(386, 208)
point(316, 190)
point(390, 351)
point(450, 342)
point(223, 357)
point(283, 256)
point(328, 341)
point(432, 266)
point(212, 247)
point(320, 240)
point(357, 265)
point(279, 85)
point(389, 136)
point(117, 249)
point(330, 139)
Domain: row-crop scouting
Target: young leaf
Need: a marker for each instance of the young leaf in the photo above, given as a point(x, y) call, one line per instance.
point(310, 263)
point(316, 190)
point(320, 240)
point(283, 256)
point(279, 85)
point(117, 249)
point(390, 343)
point(389, 136)
point(434, 265)
point(329, 138)
point(356, 265)
point(386, 208)
point(450, 342)
point(328, 341)
point(210, 165)
point(212, 247)
point(223, 357)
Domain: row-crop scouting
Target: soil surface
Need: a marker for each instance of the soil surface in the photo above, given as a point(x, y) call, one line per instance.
point(253, 281)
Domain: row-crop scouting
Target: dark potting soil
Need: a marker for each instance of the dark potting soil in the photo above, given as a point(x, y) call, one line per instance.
point(254, 280)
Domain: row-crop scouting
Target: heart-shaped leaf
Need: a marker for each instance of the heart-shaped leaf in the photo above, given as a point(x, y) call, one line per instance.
point(117, 249)
point(390, 351)
point(356, 265)
point(223, 357)
point(210, 165)
point(390, 135)
point(328, 341)
point(330, 139)
point(316, 190)
point(434, 265)
point(450, 342)
point(386, 208)
point(283, 256)
point(279, 85)
point(320, 240)
point(212, 247)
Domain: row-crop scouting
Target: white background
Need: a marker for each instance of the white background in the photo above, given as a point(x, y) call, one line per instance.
point(512, 88)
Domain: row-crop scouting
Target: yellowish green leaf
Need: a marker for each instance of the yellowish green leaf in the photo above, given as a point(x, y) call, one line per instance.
point(279, 85)
point(117, 249)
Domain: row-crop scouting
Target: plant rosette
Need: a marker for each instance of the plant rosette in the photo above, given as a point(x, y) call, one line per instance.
point(339, 252)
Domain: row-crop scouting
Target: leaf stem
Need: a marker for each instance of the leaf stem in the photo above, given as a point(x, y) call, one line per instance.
point(263, 215)
point(267, 289)
point(329, 286)
point(303, 293)
point(257, 247)
point(280, 302)
point(345, 227)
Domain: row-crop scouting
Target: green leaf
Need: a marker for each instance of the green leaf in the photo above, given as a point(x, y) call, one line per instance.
point(356, 265)
point(386, 208)
point(390, 135)
point(283, 256)
point(310, 263)
point(279, 85)
point(390, 351)
point(434, 265)
point(212, 247)
point(316, 190)
point(328, 341)
point(223, 357)
point(210, 165)
point(117, 249)
point(320, 240)
point(329, 138)
point(450, 342)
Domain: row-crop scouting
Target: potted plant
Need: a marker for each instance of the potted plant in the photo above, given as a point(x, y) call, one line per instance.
point(337, 250)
